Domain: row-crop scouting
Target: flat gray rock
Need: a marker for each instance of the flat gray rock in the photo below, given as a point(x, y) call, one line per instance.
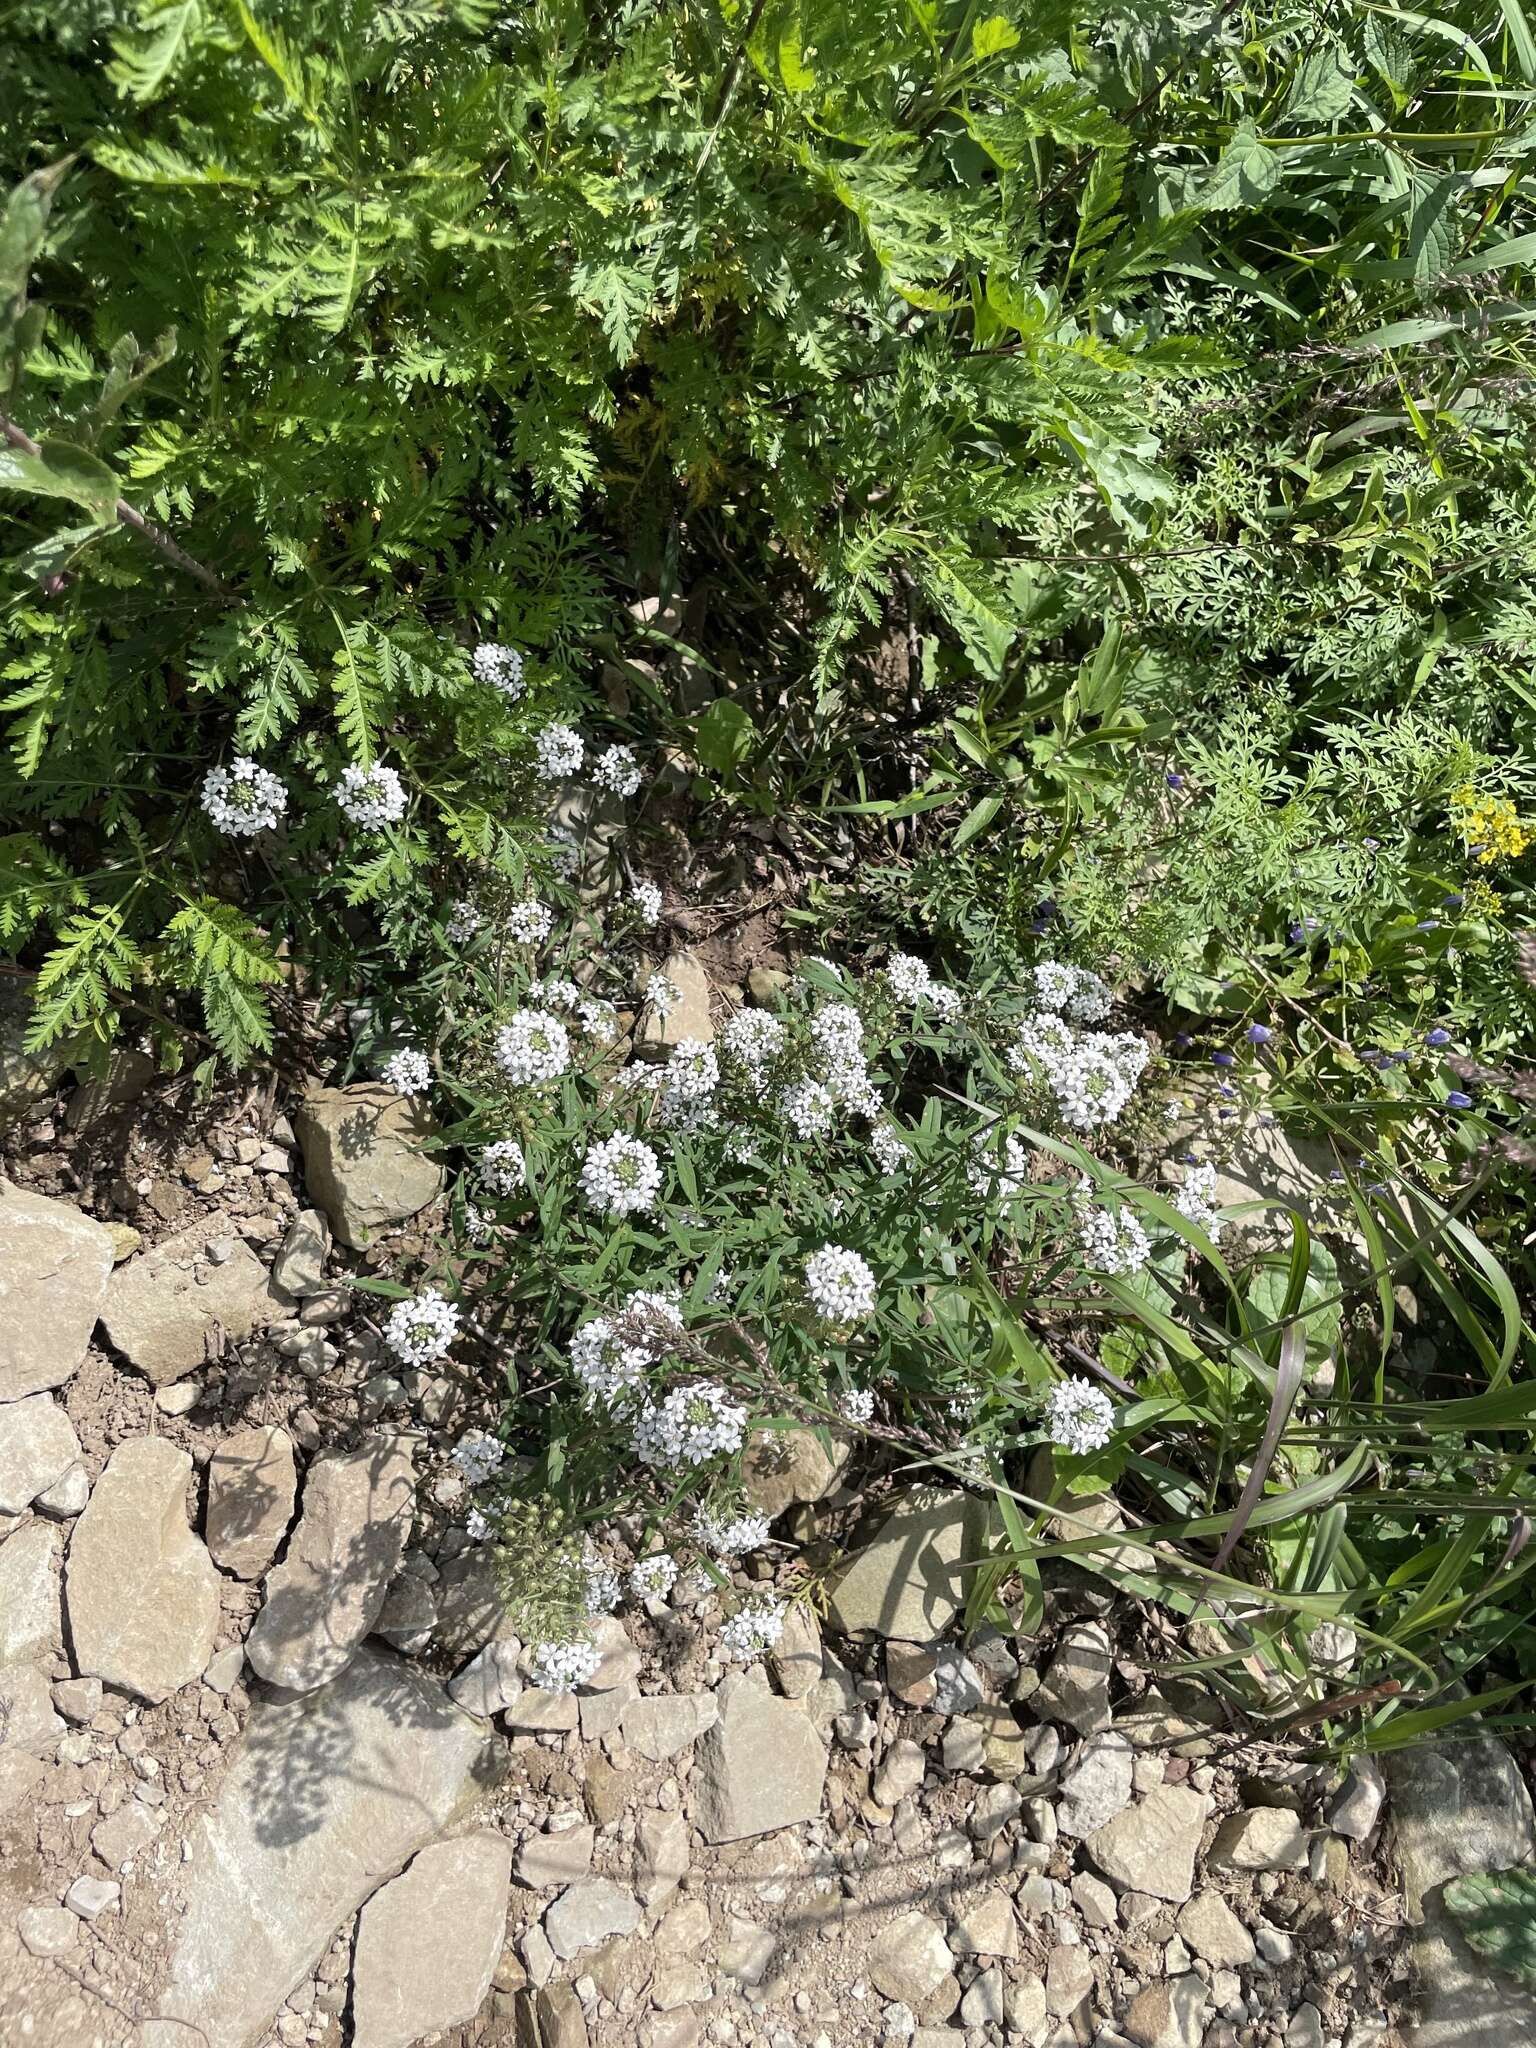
point(1151, 1846)
point(363, 1158)
point(27, 1718)
point(662, 1726)
point(1454, 1811)
point(1097, 1784)
point(907, 1581)
point(330, 1588)
point(54, 1268)
point(428, 1942)
point(37, 1447)
point(142, 1593)
point(587, 1913)
point(170, 1310)
point(760, 1767)
point(251, 1487)
point(299, 1268)
point(31, 1627)
point(325, 1799)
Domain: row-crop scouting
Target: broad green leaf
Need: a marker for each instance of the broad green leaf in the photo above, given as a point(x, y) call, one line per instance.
point(1321, 89)
point(724, 736)
point(1245, 174)
point(992, 36)
point(22, 227)
point(60, 469)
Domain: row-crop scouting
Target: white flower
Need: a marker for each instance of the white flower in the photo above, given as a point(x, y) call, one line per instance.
point(1092, 1077)
point(1054, 984)
point(840, 1284)
point(662, 995)
point(529, 922)
point(478, 1455)
point(653, 1577)
point(532, 1046)
point(561, 1667)
point(564, 853)
point(891, 1155)
point(646, 897)
point(597, 1015)
point(999, 1183)
point(693, 1072)
point(752, 1630)
point(558, 751)
point(729, 1535)
point(464, 920)
point(502, 1166)
point(857, 1405)
point(422, 1327)
point(807, 1108)
point(371, 797)
point(1111, 1241)
point(501, 667)
point(477, 1227)
point(477, 1527)
point(1080, 1416)
point(690, 1425)
point(603, 1589)
point(908, 977)
point(408, 1072)
point(1196, 1201)
point(944, 1002)
point(617, 769)
point(620, 1176)
point(1089, 1001)
point(243, 799)
point(607, 1367)
point(751, 1041)
point(554, 993)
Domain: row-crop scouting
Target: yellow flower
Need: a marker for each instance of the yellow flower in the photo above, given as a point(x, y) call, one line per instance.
point(1490, 827)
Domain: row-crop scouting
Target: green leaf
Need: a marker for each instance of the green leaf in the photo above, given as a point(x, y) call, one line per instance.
point(724, 736)
point(60, 469)
point(1321, 89)
point(147, 56)
point(990, 37)
point(22, 227)
point(976, 820)
point(1497, 1912)
point(1245, 175)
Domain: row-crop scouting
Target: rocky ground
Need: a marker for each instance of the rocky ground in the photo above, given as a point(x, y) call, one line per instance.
point(271, 1769)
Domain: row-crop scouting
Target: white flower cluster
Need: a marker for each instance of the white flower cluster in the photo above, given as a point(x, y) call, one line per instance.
point(653, 1577)
point(690, 1425)
point(408, 1072)
point(617, 769)
point(502, 1166)
point(558, 752)
point(857, 1405)
point(554, 993)
point(561, 1667)
point(999, 1182)
point(603, 1587)
point(422, 1327)
point(530, 922)
point(620, 1176)
point(837, 1033)
point(564, 851)
point(729, 1535)
point(689, 1084)
point(751, 1041)
point(1074, 992)
point(911, 982)
point(646, 897)
point(464, 921)
point(597, 1015)
point(1092, 1076)
point(752, 1630)
point(891, 1155)
point(477, 1527)
point(243, 799)
point(807, 1107)
point(532, 1046)
point(478, 1456)
point(609, 1354)
point(501, 667)
point(1079, 1416)
point(477, 1225)
point(1196, 1201)
point(840, 1284)
point(1111, 1241)
point(661, 994)
point(371, 797)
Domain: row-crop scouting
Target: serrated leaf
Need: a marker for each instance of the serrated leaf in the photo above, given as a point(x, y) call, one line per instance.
point(1245, 174)
point(1496, 1910)
point(992, 36)
point(61, 469)
point(150, 54)
point(1321, 89)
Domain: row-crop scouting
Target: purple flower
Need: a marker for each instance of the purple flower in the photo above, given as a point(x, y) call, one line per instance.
point(1182, 1040)
point(1452, 902)
point(1173, 779)
point(1456, 1100)
point(1439, 1036)
point(1371, 845)
point(1223, 1059)
point(1225, 1090)
point(1258, 1034)
point(1427, 924)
